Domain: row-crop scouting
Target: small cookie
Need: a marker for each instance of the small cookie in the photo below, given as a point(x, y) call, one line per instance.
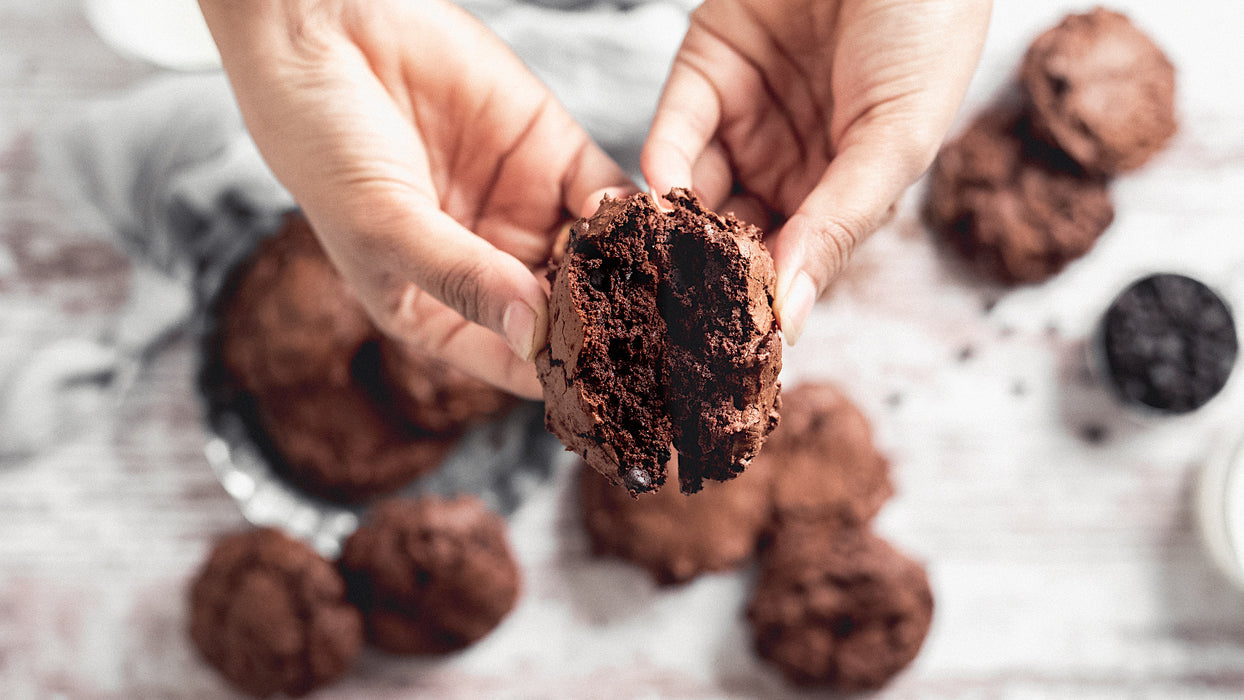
point(662, 330)
point(677, 536)
point(822, 463)
point(434, 396)
point(272, 616)
point(431, 575)
point(289, 320)
point(839, 608)
point(1102, 90)
point(1169, 343)
point(337, 443)
point(1018, 208)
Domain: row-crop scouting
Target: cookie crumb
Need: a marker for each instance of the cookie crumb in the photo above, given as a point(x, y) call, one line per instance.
point(1094, 433)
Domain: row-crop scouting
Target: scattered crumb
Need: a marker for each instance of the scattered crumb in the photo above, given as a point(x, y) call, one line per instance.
point(966, 353)
point(1052, 330)
point(1019, 388)
point(894, 400)
point(988, 305)
point(1093, 433)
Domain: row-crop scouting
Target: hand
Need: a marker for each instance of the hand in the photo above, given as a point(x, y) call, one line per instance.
point(816, 114)
point(435, 168)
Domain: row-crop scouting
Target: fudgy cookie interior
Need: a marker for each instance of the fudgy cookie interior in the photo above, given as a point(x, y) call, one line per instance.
point(615, 283)
point(713, 300)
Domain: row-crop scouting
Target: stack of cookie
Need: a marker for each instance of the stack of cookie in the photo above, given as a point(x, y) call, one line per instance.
point(834, 604)
point(346, 414)
point(1024, 190)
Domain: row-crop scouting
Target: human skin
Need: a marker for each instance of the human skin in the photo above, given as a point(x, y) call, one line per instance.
point(438, 171)
point(435, 168)
point(812, 116)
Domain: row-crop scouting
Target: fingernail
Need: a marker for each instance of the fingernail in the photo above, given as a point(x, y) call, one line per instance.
point(519, 325)
point(662, 203)
point(796, 306)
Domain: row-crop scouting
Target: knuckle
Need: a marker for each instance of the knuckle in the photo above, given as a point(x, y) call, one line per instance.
point(398, 311)
point(835, 239)
point(461, 285)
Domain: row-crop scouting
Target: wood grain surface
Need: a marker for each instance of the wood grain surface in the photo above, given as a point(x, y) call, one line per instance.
point(1057, 528)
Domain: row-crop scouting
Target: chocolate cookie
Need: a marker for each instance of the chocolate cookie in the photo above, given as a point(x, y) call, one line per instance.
point(431, 575)
point(1102, 90)
point(349, 417)
point(822, 461)
point(434, 396)
point(271, 615)
point(677, 536)
point(838, 608)
point(1169, 343)
point(662, 331)
point(1017, 207)
point(339, 444)
point(289, 320)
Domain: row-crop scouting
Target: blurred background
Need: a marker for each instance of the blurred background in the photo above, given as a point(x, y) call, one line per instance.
point(1060, 530)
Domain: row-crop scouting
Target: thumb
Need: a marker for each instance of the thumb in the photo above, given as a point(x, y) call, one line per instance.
point(397, 242)
point(849, 202)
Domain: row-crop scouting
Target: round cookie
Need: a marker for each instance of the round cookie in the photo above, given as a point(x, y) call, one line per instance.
point(272, 616)
point(348, 416)
point(434, 396)
point(431, 575)
point(1169, 343)
point(289, 320)
point(841, 609)
point(337, 443)
point(821, 461)
point(1016, 207)
point(662, 331)
point(677, 536)
point(1101, 90)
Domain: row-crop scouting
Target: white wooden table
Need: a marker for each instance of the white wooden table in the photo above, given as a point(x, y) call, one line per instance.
point(1062, 566)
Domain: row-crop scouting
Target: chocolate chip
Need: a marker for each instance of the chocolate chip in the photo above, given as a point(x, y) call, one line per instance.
point(1093, 433)
point(637, 479)
point(842, 626)
point(599, 279)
